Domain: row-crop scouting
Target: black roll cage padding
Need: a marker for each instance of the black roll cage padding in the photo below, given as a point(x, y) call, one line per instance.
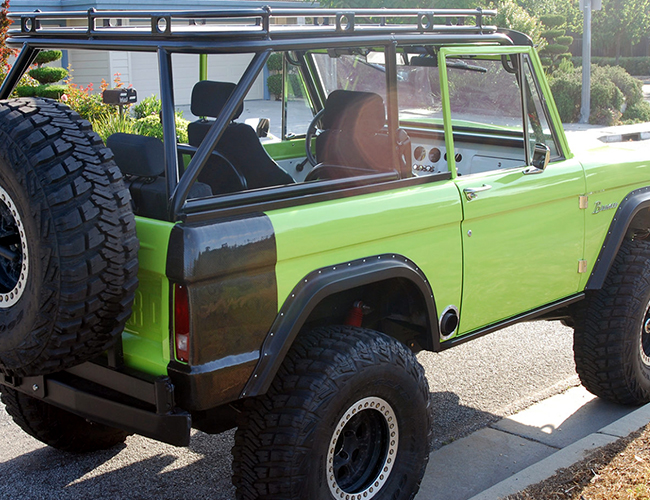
point(164, 44)
point(317, 286)
point(629, 208)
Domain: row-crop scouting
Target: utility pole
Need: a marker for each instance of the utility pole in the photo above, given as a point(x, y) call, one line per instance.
point(587, 6)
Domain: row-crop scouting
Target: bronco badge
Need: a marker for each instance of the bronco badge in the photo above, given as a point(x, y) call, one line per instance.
point(599, 207)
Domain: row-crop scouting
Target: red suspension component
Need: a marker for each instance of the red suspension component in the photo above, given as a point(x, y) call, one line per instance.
point(355, 314)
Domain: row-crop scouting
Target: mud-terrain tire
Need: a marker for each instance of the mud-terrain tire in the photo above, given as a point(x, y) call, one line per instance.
point(346, 417)
point(612, 333)
point(68, 248)
point(56, 427)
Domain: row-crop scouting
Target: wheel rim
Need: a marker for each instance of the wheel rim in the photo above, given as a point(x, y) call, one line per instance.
point(362, 450)
point(13, 252)
point(644, 338)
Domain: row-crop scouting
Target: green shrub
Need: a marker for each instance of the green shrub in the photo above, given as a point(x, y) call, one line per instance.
point(564, 40)
point(604, 116)
point(633, 65)
point(148, 106)
point(46, 56)
point(25, 91)
point(51, 91)
point(552, 20)
point(566, 91)
point(151, 126)
point(275, 62)
point(612, 90)
point(637, 113)
point(295, 86)
point(181, 128)
point(274, 82)
point(553, 33)
point(106, 126)
point(48, 74)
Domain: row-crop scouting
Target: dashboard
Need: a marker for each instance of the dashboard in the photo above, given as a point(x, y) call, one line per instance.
point(429, 155)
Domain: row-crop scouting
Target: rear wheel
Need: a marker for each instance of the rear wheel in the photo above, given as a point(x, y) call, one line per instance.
point(612, 332)
point(56, 427)
point(347, 417)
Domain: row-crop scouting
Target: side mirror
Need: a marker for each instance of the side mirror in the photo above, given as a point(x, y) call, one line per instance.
point(261, 125)
point(541, 158)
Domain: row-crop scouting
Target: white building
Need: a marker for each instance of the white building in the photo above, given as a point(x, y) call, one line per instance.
point(140, 69)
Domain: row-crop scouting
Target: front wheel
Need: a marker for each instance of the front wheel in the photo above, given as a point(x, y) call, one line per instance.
point(612, 332)
point(347, 417)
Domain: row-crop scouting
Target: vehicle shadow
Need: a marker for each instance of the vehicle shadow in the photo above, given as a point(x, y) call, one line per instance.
point(144, 469)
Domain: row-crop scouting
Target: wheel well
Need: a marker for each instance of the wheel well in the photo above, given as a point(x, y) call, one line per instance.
point(640, 224)
point(393, 306)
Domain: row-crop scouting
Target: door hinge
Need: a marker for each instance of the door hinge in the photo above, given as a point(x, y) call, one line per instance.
point(584, 202)
point(582, 266)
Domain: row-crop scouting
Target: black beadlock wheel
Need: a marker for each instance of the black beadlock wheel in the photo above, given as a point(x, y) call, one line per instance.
point(612, 332)
point(347, 417)
point(56, 427)
point(68, 248)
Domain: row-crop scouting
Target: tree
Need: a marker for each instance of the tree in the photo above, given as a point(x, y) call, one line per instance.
point(558, 42)
point(570, 9)
point(513, 16)
point(620, 21)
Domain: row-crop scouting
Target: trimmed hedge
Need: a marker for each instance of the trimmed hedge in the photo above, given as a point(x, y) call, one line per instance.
point(638, 66)
point(48, 74)
point(49, 91)
point(275, 62)
point(46, 56)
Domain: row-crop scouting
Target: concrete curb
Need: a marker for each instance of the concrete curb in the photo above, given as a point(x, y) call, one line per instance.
point(568, 456)
point(633, 136)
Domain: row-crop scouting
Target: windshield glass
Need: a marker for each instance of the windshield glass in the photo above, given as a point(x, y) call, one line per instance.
point(350, 72)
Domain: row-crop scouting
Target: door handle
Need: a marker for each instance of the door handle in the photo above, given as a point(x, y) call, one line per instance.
point(470, 193)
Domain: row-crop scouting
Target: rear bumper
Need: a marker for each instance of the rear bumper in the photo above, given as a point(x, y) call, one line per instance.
point(113, 398)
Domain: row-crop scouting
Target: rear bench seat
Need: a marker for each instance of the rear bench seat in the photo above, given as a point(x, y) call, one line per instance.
point(141, 160)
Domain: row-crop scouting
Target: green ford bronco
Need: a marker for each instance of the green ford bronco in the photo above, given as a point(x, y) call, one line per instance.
point(419, 193)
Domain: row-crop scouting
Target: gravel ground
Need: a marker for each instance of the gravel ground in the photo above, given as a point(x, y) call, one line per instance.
point(471, 385)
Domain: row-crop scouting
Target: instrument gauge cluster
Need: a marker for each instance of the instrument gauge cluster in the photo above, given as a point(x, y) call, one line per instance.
point(427, 159)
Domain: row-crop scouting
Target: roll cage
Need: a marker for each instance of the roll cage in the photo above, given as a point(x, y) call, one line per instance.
point(259, 31)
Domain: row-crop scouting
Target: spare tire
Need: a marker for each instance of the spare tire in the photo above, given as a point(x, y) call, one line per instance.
point(68, 248)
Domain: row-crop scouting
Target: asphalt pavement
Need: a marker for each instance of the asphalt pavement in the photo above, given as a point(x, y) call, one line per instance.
point(473, 385)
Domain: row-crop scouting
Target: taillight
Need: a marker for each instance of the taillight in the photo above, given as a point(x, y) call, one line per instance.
point(181, 323)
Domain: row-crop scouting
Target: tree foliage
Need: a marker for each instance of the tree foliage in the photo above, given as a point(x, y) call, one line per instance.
point(619, 22)
point(513, 16)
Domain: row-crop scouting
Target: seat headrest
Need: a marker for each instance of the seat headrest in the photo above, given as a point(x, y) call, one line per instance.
point(347, 109)
point(138, 155)
point(209, 98)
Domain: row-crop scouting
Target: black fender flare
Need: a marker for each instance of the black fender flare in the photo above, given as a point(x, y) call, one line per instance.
point(320, 284)
point(630, 207)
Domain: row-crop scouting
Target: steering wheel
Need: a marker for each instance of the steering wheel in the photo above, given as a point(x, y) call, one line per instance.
point(313, 131)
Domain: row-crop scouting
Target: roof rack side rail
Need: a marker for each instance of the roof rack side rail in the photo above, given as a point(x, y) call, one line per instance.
point(258, 22)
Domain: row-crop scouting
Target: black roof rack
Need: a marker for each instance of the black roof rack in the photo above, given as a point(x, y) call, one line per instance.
point(253, 23)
